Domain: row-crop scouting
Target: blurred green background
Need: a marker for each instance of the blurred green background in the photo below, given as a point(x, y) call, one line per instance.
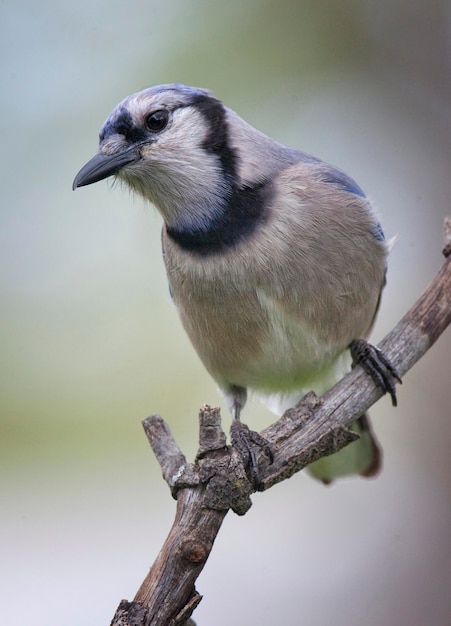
point(90, 342)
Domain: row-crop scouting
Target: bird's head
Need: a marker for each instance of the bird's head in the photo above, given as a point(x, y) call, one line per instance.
point(170, 144)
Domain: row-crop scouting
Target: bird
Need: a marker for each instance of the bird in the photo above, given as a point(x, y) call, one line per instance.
point(276, 260)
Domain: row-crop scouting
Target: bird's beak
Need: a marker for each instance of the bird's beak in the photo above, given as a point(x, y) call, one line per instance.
point(103, 165)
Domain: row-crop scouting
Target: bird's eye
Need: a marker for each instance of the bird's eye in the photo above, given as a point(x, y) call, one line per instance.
point(157, 120)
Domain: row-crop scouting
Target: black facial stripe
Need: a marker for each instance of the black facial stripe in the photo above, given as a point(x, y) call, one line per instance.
point(217, 140)
point(123, 124)
point(245, 211)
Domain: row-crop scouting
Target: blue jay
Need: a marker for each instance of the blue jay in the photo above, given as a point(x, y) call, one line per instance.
point(276, 260)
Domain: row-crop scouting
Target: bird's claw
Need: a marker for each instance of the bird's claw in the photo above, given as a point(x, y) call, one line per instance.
point(376, 364)
point(244, 440)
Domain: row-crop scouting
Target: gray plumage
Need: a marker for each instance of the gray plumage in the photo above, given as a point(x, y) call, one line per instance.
point(275, 259)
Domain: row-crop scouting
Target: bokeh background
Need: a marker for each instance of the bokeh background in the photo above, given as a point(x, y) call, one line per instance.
point(90, 342)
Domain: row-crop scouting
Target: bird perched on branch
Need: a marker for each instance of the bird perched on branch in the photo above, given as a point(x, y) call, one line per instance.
point(275, 259)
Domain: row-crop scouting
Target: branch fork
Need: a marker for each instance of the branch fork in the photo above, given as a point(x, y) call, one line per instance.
point(217, 482)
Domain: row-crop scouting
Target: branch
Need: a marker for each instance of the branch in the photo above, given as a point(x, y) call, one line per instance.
point(216, 482)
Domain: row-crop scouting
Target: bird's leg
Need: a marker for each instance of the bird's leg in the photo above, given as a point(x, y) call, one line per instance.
point(244, 439)
point(376, 364)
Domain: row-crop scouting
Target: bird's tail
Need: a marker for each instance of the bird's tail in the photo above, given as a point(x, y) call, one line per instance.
point(363, 456)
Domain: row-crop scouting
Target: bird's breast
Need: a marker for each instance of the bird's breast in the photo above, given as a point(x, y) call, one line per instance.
point(276, 310)
point(244, 334)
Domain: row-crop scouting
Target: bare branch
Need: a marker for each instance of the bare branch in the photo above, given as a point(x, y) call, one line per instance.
point(216, 482)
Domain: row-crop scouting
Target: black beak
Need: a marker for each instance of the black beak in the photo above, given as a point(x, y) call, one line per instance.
point(103, 165)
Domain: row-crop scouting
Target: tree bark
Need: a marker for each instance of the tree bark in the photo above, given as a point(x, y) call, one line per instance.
point(216, 482)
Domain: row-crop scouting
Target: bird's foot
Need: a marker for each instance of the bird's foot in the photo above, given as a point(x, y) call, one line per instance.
point(376, 364)
point(244, 440)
